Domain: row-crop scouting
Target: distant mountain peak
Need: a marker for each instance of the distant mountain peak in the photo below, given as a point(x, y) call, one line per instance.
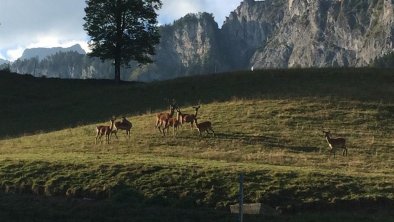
point(2, 61)
point(42, 53)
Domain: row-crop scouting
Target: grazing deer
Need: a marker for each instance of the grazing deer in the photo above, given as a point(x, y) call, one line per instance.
point(104, 130)
point(335, 143)
point(122, 125)
point(162, 118)
point(190, 118)
point(204, 126)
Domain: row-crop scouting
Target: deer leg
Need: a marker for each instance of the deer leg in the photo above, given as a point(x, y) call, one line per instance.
point(213, 132)
point(344, 153)
point(99, 137)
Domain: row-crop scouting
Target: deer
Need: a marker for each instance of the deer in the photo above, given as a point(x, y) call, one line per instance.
point(173, 122)
point(190, 118)
point(204, 126)
point(335, 143)
point(104, 130)
point(122, 125)
point(162, 118)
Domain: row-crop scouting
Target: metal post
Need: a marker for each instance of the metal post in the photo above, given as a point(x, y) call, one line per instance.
point(241, 197)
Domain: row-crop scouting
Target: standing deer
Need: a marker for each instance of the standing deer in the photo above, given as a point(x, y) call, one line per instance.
point(123, 125)
point(204, 126)
point(162, 118)
point(190, 118)
point(104, 130)
point(335, 143)
point(173, 122)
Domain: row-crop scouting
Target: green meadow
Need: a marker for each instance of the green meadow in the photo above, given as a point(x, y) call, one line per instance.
point(268, 125)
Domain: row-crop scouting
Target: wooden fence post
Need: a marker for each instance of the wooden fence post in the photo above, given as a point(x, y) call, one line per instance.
point(241, 197)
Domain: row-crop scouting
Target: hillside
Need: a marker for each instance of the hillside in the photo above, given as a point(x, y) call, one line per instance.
point(268, 125)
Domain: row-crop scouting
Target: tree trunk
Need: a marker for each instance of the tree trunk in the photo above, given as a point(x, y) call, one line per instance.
point(117, 70)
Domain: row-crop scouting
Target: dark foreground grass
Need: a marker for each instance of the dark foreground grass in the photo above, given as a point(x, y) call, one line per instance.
point(48, 209)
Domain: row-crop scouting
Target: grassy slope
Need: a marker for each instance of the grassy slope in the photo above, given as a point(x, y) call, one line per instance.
point(268, 125)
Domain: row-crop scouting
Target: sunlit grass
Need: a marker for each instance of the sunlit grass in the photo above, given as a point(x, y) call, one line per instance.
point(275, 138)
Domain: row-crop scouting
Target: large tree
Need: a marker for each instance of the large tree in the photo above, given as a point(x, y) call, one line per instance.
point(122, 30)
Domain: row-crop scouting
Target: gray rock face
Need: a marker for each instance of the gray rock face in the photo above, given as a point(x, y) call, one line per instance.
point(329, 33)
point(276, 34)
point(42, 53)
point(190, 46)
point(2, 61)
point(248, 29)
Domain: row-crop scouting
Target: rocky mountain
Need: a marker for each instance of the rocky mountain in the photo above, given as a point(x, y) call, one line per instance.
point(259, 34)
point(42, 53)
point(2, 61)
point(67, 65)
point(276, 34)
point(329, 33)
point(190, 46)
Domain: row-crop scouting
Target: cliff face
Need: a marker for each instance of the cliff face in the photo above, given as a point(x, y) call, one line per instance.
point(248, 29)
point(277, 34)
point(326, 33)
point(42, 53)
point(190, 46)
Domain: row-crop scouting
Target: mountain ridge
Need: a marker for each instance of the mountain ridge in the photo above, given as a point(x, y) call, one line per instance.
point(259, 34)
point(3, 61)
point(42, 52)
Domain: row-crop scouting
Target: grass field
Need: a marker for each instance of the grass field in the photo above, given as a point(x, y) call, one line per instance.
point(268, 125)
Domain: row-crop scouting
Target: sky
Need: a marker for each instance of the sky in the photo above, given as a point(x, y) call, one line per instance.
point(58, 23)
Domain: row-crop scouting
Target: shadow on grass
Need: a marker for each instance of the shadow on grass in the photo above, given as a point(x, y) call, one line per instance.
point(265, 141)
point(32, 105)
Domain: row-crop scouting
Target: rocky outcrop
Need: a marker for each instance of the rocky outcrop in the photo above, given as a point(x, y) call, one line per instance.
point(42, 53)
point(329, 33)
point(249, 28)
point(190, 46)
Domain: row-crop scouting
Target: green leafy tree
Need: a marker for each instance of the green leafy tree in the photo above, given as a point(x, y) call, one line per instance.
point(122, 30)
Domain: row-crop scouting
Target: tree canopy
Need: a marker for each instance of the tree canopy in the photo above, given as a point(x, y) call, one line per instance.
point(122, 30)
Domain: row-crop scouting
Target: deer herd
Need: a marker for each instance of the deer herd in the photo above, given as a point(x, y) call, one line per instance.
point(165, 120)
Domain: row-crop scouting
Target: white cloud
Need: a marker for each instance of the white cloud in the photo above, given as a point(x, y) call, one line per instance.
point(14, 54)
point(55, 41)
point(175, 9)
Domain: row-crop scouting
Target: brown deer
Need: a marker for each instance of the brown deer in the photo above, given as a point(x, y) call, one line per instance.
point(335, 143)
point(190, 118)
point(104, 130)
point(162, 118)
point(173, 122)
point(122, 125)
point(204, 126)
